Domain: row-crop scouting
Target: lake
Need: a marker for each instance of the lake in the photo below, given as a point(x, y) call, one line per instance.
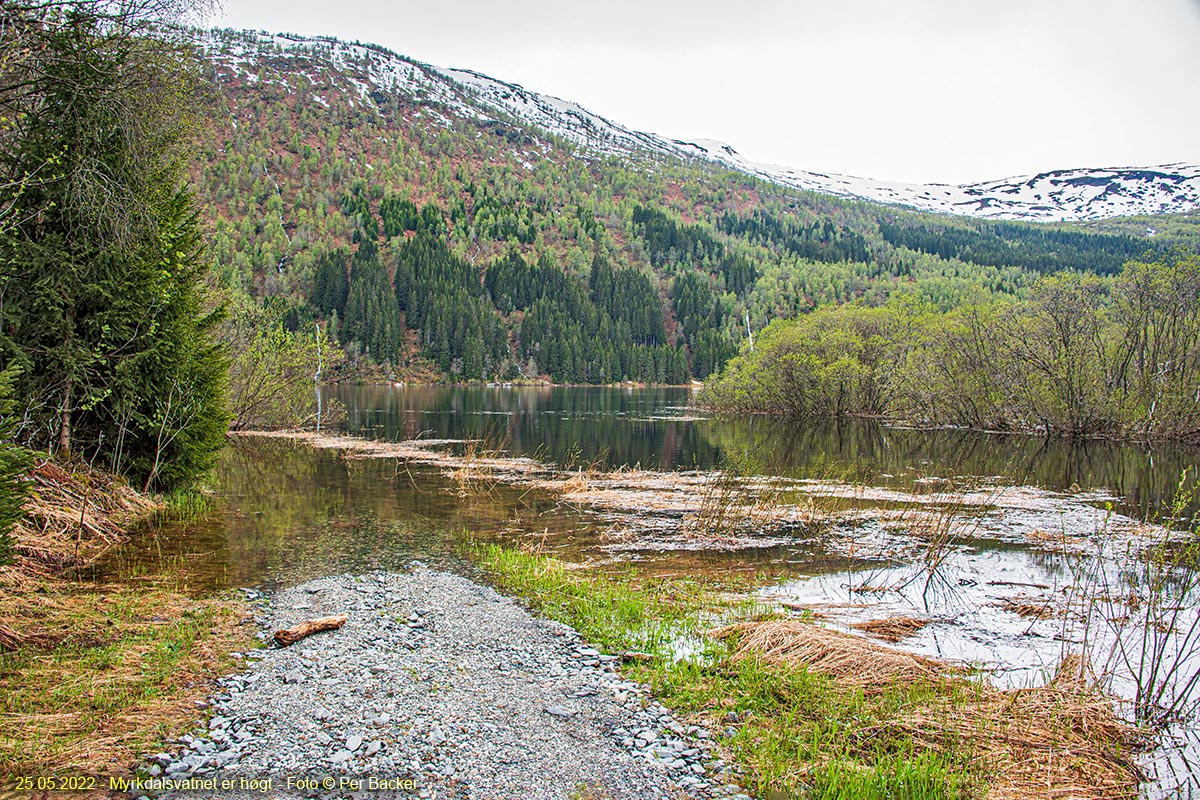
point(845, 526)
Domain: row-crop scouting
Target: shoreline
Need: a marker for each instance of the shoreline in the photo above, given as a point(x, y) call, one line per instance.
point(449, 688)
point(93, 674)
point(892, 423)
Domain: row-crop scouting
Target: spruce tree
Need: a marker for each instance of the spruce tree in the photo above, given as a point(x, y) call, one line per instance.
point(101, 265)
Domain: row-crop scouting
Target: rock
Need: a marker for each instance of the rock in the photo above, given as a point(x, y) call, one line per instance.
point(382, 697)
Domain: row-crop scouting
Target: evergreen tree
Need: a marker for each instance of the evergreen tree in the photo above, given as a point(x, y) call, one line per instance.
point(14, 463)
point(330, 285)
point(103, 269)
point(372, 318)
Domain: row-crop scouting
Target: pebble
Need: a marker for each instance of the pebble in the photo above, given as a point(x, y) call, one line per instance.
point(464, 688)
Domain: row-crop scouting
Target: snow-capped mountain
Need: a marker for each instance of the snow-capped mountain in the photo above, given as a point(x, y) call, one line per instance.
point(366, 70)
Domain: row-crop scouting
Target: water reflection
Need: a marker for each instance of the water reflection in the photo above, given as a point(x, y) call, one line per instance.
point(655, 428)
point(285, 512)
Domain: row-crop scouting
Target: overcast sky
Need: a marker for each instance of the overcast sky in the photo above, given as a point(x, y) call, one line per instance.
point(919, 90)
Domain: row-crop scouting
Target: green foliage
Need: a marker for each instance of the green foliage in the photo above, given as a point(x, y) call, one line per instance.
point(610, 333)
point(331, 287)
point(372, 317)
point(815, 240)
point(1082, 356)
point(15, 461)
point(1037, 248)
point(798, 732)
point(103, 273)
point(669, 243)
point(476, 219)
point(274, 369)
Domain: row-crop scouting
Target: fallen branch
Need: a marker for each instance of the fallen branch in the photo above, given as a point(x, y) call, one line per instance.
point(308, 628)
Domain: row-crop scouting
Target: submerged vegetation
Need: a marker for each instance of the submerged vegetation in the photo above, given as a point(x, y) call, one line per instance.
point(811, 712)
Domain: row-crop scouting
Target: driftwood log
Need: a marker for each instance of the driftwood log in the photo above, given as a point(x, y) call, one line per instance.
point(308, 628)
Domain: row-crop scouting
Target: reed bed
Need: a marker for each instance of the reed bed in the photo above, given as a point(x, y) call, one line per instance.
point(1060, 740)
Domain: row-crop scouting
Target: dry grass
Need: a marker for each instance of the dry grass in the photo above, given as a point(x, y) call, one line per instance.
point(891, 629)
point(1032, 607)
point(846, 658)
point(92, 676)
point(476, 473)
point(71, 516)
point(109, 676)
point(1060, 740)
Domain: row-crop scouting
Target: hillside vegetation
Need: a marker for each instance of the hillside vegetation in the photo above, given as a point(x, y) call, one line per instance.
point(498, 250)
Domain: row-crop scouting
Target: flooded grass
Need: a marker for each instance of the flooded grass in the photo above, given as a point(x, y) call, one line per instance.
point(94, 675)
point(806, 711)
point(973, 573)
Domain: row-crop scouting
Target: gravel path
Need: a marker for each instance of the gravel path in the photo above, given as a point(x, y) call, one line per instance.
point(436, 687)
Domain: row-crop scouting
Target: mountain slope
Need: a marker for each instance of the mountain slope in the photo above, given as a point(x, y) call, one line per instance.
point(1063, 195)
point(499, 233)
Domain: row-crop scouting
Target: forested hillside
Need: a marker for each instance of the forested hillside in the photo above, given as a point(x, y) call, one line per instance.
point(423, 229)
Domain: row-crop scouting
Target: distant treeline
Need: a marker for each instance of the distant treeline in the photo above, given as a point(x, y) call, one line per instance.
point(1083, 356)
point(610, 329)
point(1035, 248)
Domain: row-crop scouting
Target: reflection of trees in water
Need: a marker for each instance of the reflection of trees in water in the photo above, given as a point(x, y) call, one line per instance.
point(286, 509)
point(290, 512)
point(862, 450)
point(551, 423)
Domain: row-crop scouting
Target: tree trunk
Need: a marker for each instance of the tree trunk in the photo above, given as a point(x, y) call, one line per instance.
point(64, 425)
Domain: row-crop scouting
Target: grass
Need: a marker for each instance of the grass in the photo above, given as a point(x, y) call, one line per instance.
point(807, 712)
point(93, 676)
point(183, 505)
point(106, 674)
point(603, 609)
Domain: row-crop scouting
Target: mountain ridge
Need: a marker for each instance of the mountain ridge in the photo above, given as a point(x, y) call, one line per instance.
point(1060, 195)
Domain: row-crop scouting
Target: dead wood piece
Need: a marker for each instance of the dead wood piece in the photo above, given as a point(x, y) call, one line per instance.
point(308, 628)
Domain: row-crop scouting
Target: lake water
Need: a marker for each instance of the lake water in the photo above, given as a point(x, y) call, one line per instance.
point(285, 512)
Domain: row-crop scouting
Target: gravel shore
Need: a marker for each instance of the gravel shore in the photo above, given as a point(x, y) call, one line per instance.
point(436, 687)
